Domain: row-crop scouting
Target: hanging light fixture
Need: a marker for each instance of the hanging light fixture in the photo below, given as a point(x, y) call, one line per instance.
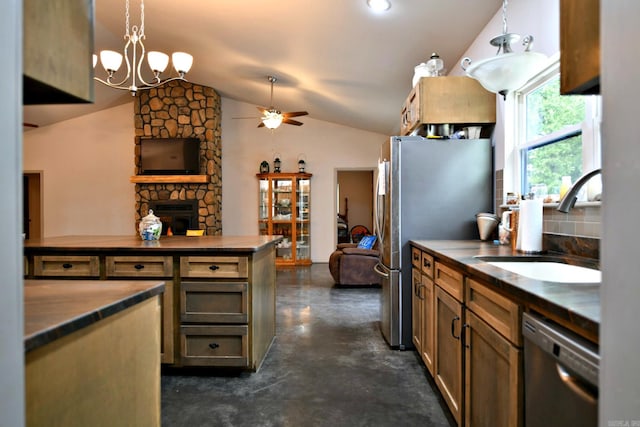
point(508, 70)
point(272, 118)
point(158, 61)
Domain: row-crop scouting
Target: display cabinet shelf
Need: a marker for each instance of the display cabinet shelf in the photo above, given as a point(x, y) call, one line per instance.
point(284, 209)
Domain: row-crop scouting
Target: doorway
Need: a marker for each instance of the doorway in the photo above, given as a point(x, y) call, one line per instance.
point(354, 201)
point(32, 224)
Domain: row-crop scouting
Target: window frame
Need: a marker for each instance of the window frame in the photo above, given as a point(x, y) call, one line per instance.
point(516, 145)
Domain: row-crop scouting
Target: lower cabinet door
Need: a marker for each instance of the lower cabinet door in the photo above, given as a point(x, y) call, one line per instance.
point(214, 345)
point(416, 309)
point(428, 296)
point(448, 349)
point(493, 378)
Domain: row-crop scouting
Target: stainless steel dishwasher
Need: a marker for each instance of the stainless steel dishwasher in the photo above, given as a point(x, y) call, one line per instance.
point(560, 375)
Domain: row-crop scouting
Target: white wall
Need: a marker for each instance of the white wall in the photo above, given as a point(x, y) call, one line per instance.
point(86, 164)
point(11, 305)
point(326, 146)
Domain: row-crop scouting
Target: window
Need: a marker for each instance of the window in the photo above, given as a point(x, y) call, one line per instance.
point(555, 136)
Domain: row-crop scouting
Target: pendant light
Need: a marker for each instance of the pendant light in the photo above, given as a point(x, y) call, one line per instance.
point(508, 70)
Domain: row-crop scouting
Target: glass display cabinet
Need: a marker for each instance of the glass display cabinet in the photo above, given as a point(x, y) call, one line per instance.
point(284, 208)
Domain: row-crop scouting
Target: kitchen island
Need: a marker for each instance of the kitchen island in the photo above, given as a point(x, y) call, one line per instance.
point(91, 352)
point(218, 308)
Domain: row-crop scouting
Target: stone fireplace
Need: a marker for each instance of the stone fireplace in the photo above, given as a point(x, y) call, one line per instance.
point(180, 109)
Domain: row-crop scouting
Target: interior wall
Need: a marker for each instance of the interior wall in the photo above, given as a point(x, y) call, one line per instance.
point(357, 187)
point(87, 163)
point(325, 146)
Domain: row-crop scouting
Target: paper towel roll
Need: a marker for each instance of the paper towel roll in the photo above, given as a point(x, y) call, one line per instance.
point(530, 226)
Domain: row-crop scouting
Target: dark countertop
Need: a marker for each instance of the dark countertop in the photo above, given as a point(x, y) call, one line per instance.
point(576, 304)
point(56, 308)
point(172, 244)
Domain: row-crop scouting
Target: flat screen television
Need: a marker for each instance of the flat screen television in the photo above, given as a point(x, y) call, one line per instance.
point(170, 156)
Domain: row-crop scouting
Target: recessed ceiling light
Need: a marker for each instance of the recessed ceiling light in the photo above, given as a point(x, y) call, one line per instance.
point(379, 5)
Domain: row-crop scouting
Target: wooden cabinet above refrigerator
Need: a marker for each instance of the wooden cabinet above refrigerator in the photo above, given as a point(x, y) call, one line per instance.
point(447, 100)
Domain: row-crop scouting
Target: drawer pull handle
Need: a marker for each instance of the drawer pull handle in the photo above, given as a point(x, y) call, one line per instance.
point(453, 327)
point(138, 266)
point(427, 263)
point(67, 265)
point(416, 257)
point(213, 267)
point(214, 345)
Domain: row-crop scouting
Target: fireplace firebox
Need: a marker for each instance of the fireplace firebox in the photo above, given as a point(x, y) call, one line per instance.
point(176, 215)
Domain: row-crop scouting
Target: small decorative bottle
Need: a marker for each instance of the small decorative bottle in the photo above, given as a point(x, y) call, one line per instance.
point(565, 185)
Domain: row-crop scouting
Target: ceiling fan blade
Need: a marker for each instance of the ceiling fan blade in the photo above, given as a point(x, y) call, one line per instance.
point(294, 114)
point(263, 109)
point(253, 117)
point(261, 125)
point(29, 125)
point(292, 122)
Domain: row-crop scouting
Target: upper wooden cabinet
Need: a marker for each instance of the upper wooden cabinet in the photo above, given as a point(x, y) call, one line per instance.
point(447, 100)
point(579, 47)
point(57, 51)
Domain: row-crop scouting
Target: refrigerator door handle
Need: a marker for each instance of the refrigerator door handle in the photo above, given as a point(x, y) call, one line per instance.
point(379, 272)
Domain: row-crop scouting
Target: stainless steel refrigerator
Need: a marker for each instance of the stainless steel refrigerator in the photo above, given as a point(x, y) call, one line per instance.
point(426, 189)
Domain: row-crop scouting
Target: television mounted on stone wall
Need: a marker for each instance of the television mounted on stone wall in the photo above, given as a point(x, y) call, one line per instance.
point(170, 156)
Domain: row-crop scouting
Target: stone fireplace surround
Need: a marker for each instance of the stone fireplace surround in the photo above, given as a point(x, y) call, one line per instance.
point(181, 109)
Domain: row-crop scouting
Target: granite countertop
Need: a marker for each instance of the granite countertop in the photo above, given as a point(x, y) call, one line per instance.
point(577, 304)
point(56, 308)
point(165, 244)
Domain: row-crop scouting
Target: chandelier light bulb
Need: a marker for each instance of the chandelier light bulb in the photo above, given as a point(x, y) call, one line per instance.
point(182, 62)
point(95, 60)
point(158, 61)
point(110, 60)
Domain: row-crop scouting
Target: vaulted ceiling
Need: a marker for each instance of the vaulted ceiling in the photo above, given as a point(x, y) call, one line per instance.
point(333, 58)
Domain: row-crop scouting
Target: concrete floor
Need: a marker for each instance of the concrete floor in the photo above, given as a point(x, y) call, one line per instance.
point(328, 366)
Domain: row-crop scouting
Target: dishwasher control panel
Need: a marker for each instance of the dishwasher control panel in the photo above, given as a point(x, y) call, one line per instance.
point(570, 350)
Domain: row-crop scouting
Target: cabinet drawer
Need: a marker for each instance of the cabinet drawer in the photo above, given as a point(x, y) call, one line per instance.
point(214, 345)
point(499, 312)
point(214, 302)
point(66, 266)
point(129, 266)
point(227, 267)
point(449, 280)
point(427, 264)
point(415, 257)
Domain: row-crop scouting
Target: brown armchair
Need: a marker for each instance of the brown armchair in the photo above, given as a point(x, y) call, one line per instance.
point(350, 265)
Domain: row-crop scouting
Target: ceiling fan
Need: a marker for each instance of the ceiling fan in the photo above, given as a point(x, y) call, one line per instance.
point(272, 117)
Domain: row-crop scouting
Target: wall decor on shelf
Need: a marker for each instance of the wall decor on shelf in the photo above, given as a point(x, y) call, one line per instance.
point(301, 163)
point(264, 167)
point(276, 165)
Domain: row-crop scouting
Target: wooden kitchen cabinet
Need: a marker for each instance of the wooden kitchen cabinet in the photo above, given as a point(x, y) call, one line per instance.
point(493, 358)
point(468, 336)
point(285, 209)
point(448, 372)
point(57, 51)
point(422, 307)
point(447, 100)
point(579, 47)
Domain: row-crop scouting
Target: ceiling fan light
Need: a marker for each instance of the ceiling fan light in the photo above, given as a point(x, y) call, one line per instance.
point(379, 5)
point(110, 60)
point(158, 61)
point(272, 119)
point(95, 60)
point(182, 62)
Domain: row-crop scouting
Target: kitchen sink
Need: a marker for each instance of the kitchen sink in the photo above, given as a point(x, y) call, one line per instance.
point(546, 268)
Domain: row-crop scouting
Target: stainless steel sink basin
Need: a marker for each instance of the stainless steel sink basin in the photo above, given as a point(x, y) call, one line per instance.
point(550, 269)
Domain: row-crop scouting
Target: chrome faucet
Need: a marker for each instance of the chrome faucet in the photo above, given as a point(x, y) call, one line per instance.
point(570, 198)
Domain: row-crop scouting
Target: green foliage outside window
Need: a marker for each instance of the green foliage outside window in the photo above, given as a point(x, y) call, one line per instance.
point(548, 112)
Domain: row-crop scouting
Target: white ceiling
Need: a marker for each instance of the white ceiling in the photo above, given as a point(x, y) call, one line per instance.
point(333, 58)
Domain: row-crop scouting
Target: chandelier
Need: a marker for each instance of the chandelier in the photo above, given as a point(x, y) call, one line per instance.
point(158, 61)
point(508, 70)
